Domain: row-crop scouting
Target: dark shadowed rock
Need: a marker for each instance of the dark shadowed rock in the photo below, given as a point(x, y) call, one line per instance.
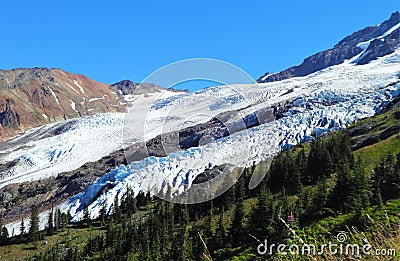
point(8, 118)
point(126, 87)
point(381, 47)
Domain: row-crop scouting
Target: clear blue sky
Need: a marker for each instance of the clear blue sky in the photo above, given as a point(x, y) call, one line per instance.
point(114, 40)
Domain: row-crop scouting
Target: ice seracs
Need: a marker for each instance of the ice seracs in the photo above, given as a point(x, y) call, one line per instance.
point(326, 100)
point(331, 99)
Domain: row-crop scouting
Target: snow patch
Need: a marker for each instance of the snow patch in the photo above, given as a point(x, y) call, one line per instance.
point(72, 88)
point(73, 105)
point(96, 99)
point(54, 95)
point(79, 86)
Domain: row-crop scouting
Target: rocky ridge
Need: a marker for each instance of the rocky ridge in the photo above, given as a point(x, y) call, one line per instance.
point(346, 49)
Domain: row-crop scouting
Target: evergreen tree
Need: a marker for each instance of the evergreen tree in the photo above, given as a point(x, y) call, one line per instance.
point(236, 230)
point(128, 202)
point(50, 223)
point(361, 185)
point(345, 152)
point(86, 216)
point(209, 227)
point(376, 184)
point(3, 234)
point(294, 182)
point(262, 220)
point(240, 187)
point(391, 181)
point(22, 229)
point(57, 220)
point(320, 163)
point(66, 218)
point(185, 215)
point(349, 190)
point(170, 222)
point(103, 213)
point(34, 224)
point(319, 201)
point(301, 162)
point(221, 230)
point(187, 248)
point(117, 209)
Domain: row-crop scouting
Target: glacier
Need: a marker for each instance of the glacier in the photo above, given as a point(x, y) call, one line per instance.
point(328, 100)
point(49, 150)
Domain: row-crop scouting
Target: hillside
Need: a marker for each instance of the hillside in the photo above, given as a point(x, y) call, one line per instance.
point(33, 97)
point(140, 172)
point(366, 45)
point(231, 224)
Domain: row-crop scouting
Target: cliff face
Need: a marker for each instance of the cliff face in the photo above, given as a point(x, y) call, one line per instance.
point(347, 48)
point(8, 118)
point(381, 47)
point(32, 97)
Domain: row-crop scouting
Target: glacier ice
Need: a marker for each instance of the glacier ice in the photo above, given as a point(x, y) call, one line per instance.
point(328, 100)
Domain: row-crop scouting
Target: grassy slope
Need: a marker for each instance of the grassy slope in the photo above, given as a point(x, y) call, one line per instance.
point(372, 154)
point(71, 236)
point(381, 220)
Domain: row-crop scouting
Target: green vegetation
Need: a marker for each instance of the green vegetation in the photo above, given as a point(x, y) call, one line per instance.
point(310, 194)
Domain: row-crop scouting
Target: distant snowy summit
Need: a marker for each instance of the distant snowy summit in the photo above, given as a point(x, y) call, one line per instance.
point(368, 44)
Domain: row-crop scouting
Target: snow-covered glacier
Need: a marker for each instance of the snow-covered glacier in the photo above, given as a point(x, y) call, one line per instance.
point(330, 99)
point(54, 148)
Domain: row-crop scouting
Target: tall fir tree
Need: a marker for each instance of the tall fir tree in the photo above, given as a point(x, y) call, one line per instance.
point(22, 230)
point(34, 224)
point(86, 217)
point(237, 228)
point(117, 209)
point(221, 230)
point(50, 222)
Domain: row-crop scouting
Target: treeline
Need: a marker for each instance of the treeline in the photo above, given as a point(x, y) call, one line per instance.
point(303, 185)
point(30, 233)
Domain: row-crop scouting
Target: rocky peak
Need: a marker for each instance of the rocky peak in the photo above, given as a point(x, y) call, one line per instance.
point(344, 50)
point(30, 97)
point(127, 87)
point(371, 32)
point(124, 87)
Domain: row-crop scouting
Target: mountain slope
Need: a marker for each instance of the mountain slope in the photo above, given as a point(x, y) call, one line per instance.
point(303, 107)
point(33, 97)
point(328, 100)
point(235, 125)
point(348, 48)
